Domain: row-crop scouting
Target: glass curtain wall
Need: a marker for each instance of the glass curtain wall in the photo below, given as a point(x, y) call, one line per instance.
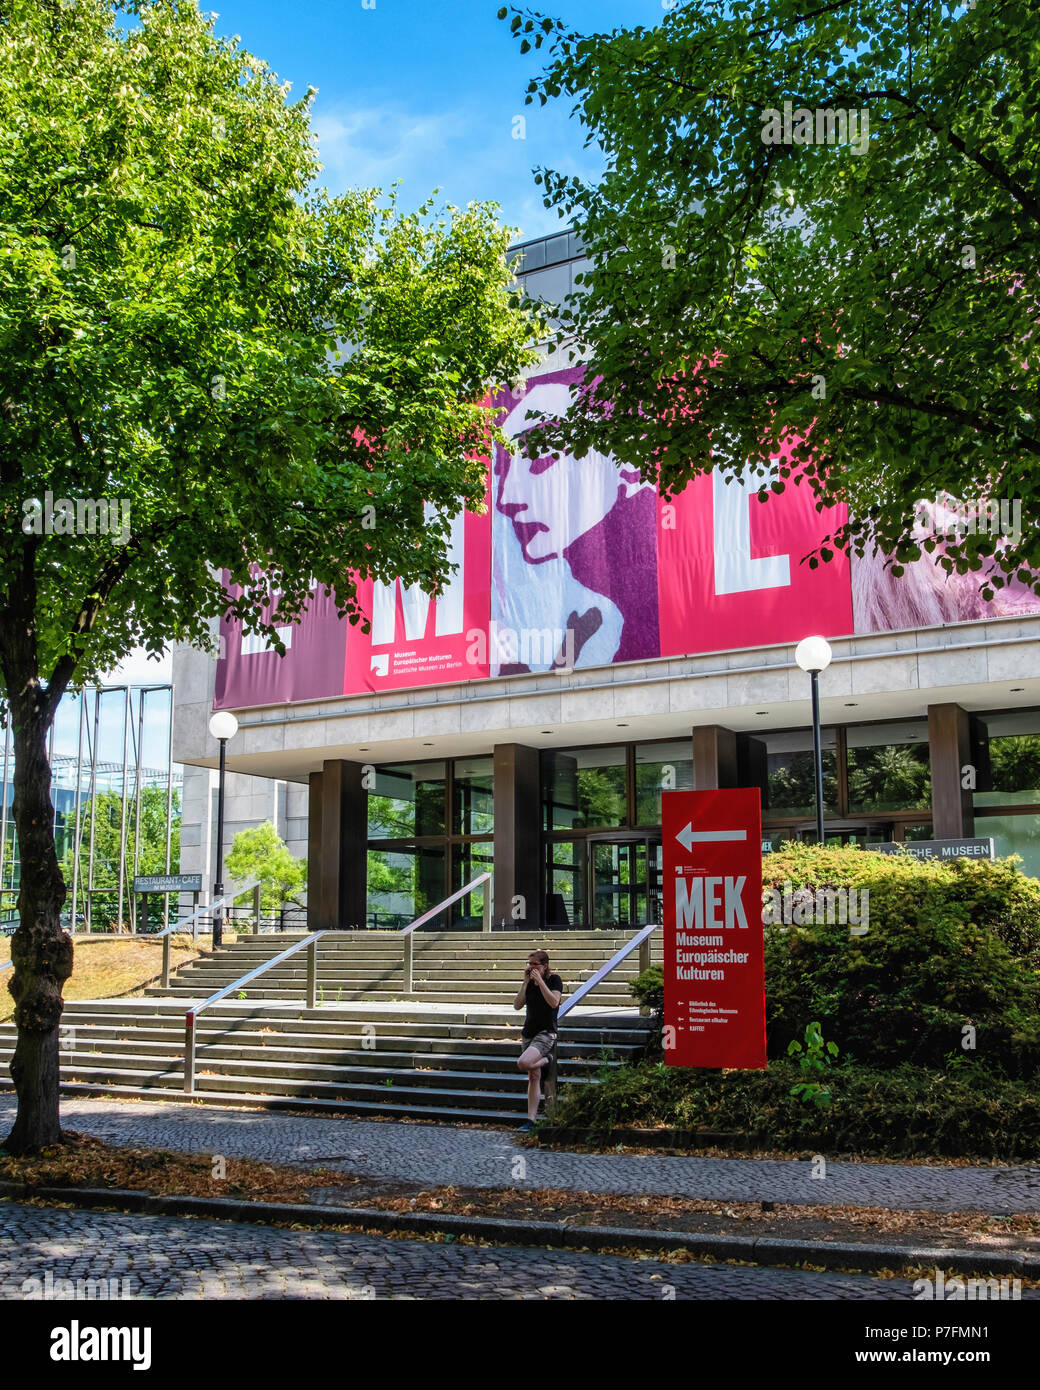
point(116, 798)
point(431, 824)
point(876, 782)
point(430, 832)
point(601, 823)
point(1006, 759)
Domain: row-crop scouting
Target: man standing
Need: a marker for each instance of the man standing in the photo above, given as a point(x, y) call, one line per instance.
point(541, 993)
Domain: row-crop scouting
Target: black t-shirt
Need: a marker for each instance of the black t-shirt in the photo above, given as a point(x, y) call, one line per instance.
point(540, 1018)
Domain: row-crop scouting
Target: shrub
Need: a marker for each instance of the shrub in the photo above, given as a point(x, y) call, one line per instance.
point(950, 946)
point(648, 989)
point(904, 1112)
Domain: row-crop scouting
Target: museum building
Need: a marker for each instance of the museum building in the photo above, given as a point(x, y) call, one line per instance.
point(598, 646)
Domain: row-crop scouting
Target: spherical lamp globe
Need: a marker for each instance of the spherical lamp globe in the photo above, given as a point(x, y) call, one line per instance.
point(223, 725)
point(813, 654)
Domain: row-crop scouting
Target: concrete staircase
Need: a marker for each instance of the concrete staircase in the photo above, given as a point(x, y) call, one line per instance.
point(447, 1052)
point(449, 967)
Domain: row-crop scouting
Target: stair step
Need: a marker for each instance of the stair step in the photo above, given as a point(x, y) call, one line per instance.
point(392, 1109)
point(444, 1051)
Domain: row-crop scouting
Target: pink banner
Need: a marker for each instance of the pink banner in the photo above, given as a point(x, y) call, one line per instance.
point(578, 562)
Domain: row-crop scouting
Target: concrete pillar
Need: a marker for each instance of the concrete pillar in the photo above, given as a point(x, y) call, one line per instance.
point(949, 741)
point(518, 857)
point(314, 922)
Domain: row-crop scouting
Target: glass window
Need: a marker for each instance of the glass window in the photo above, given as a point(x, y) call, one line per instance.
point(660, 767)
point(790, 776)
point(65, 755)
point(584, 787)
point(1009, 771)
point(473, 812)
point(920, 832)
point(889, 767)
point(565, 906)
point(468, 862)
point(403, 884)
point(619, 883)
point(1014, 835)
point(406, 799)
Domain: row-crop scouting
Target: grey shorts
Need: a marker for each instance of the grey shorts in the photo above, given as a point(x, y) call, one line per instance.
point(544, 1042)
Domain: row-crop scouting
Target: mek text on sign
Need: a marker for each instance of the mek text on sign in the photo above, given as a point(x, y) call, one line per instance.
point(714, 964)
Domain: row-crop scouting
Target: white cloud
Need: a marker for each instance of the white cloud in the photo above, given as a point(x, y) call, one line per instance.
point(535, 220)
point(371, 148)
point(140, 669)
point(467, 153)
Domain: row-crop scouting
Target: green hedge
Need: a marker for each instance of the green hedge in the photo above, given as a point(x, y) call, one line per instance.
point(900, 1113)
point(993, 894)
point(949, 946)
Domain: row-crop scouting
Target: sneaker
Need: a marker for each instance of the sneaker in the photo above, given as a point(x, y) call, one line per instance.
point(526, 1127)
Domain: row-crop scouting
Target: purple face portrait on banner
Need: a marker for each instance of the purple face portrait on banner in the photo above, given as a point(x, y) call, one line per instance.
point(574, 574)
point(925, 595)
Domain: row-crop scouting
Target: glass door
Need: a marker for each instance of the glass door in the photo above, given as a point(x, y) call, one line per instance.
point(624, 882)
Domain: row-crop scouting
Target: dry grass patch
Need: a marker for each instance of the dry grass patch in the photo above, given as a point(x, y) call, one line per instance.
point(111, 969)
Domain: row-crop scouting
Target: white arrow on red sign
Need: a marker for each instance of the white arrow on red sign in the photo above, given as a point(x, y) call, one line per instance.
point(688, 837)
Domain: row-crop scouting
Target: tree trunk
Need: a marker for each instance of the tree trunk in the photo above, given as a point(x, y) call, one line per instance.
point(40, 948)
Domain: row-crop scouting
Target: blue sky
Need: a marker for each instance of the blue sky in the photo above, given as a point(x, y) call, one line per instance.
point(426, 91)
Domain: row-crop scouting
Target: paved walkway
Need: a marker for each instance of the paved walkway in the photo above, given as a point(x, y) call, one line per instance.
point(443, 1154)
point(168, 1257)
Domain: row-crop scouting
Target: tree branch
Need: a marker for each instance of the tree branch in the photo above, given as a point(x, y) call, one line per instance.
point(1021, 195)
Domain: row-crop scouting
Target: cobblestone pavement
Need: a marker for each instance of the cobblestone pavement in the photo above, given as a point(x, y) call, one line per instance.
point(169, 1257)
point(443, 1154)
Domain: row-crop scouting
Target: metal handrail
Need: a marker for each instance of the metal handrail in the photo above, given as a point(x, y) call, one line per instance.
point(435, 911)
point(252, 886)
point(406, 932)
point(604, 970)
point(641, 940)
point(176, 928)
point(311, 942)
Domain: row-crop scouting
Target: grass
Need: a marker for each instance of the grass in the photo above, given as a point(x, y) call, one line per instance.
point(110, 969)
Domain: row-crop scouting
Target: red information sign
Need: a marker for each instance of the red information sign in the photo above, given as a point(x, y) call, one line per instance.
point(714, 961)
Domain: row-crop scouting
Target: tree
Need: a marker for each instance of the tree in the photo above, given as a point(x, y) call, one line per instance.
point(1015, 763)
point(261, 854)
point(891, 777)
point(255, 376)
point(384, 878)
point(754, 283)
point(791, 785)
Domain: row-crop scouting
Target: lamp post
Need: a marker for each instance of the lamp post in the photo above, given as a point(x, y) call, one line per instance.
point(813, 654)
point(222, 726)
